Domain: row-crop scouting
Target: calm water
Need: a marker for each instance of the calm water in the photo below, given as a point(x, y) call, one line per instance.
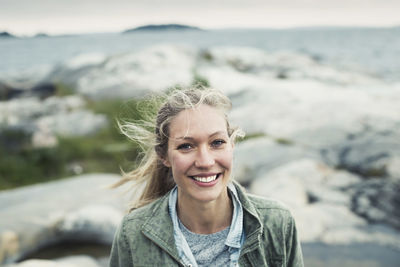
point(376, 51)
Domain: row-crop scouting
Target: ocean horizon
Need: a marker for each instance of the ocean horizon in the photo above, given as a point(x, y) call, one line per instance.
point(373, 51)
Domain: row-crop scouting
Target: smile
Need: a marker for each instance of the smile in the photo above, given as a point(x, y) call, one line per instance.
point(203, 179)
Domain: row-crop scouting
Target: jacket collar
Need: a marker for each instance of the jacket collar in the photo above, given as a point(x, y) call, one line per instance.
point(251, 222)
point(159, 228)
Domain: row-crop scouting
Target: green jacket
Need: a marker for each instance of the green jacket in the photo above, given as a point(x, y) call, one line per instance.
point(145, 236)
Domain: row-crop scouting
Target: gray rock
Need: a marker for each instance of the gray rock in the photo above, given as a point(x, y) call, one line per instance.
point(73, 261)
point(317, 220)
point(377, 200)
point(131, 74)
point(331, 206)
point(91, 222)
point(76, 123)
point(255, 157)
point(26, 78)
point(340, 179)
point(361, 136)
point(288, 189)
point(44, 119)
point(370, 151)
point(281, 65)
point(75, 209)
point(304, 181)
point(393, 168)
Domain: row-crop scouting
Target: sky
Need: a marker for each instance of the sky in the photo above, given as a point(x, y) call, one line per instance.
point(29, 17)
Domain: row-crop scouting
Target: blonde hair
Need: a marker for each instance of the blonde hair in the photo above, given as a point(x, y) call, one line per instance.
point(152, 135)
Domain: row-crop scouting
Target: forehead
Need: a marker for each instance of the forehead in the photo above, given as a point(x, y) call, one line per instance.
point(203, 120)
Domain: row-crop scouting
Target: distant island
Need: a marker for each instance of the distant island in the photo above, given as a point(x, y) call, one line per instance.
point(41, 35)
point(6, 34)
point(162, 27)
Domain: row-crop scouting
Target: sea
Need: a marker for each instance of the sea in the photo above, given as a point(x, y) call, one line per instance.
point(375, 51)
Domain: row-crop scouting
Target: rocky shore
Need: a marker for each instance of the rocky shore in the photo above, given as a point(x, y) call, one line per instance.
point(323, 140)
point(81, 209)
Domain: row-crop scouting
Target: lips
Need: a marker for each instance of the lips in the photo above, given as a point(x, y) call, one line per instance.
point(205, 179)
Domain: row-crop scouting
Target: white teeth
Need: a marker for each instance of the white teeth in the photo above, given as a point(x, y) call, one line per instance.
point(205, 179)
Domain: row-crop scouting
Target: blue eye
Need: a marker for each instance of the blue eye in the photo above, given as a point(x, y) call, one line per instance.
point(185, 146)
point(218, 143)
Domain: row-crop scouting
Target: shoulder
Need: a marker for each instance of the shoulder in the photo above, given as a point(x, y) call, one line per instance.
point(136, 218)
point(142, 212)
point(266, 203)
point(261, 205)
point(275, 217)
point(270, 209)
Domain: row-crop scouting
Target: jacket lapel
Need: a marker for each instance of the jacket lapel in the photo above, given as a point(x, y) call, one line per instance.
point(159, 228)
point(253, 228)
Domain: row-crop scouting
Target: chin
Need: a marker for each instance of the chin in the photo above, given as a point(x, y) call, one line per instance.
point(211, 194)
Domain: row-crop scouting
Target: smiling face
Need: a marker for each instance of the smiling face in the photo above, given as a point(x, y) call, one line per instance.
point(200, 154)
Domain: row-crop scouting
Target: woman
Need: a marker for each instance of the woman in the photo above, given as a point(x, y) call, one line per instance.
point(191, 213)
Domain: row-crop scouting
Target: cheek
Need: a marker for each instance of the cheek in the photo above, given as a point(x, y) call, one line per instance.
point(180, 163)
point(226, 158)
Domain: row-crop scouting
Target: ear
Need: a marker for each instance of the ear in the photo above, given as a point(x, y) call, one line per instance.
point(232, 142)
point(166, 162)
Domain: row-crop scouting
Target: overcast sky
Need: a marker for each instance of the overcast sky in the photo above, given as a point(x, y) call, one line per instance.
point(80, 16)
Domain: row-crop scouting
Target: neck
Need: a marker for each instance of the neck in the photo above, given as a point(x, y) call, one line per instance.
point(205, 217)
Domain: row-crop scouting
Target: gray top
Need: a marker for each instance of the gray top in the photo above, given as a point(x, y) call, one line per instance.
point(208, 249)
point(234, 240)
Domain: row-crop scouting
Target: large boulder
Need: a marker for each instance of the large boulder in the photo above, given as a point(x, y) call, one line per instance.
point(73, 261)
point(347, 127)
point(44, 119)
point(255, 157)
point(133, 74)
point(79, 209)
point(303, 182)
point(283, 65)
point(330, 205)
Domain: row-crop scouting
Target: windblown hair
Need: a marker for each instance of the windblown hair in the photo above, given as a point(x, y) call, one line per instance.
point(156, 179)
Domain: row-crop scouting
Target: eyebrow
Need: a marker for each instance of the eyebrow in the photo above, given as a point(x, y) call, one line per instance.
point(192, 138)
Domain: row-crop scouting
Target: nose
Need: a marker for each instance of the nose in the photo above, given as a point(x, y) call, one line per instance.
point(204, 158)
